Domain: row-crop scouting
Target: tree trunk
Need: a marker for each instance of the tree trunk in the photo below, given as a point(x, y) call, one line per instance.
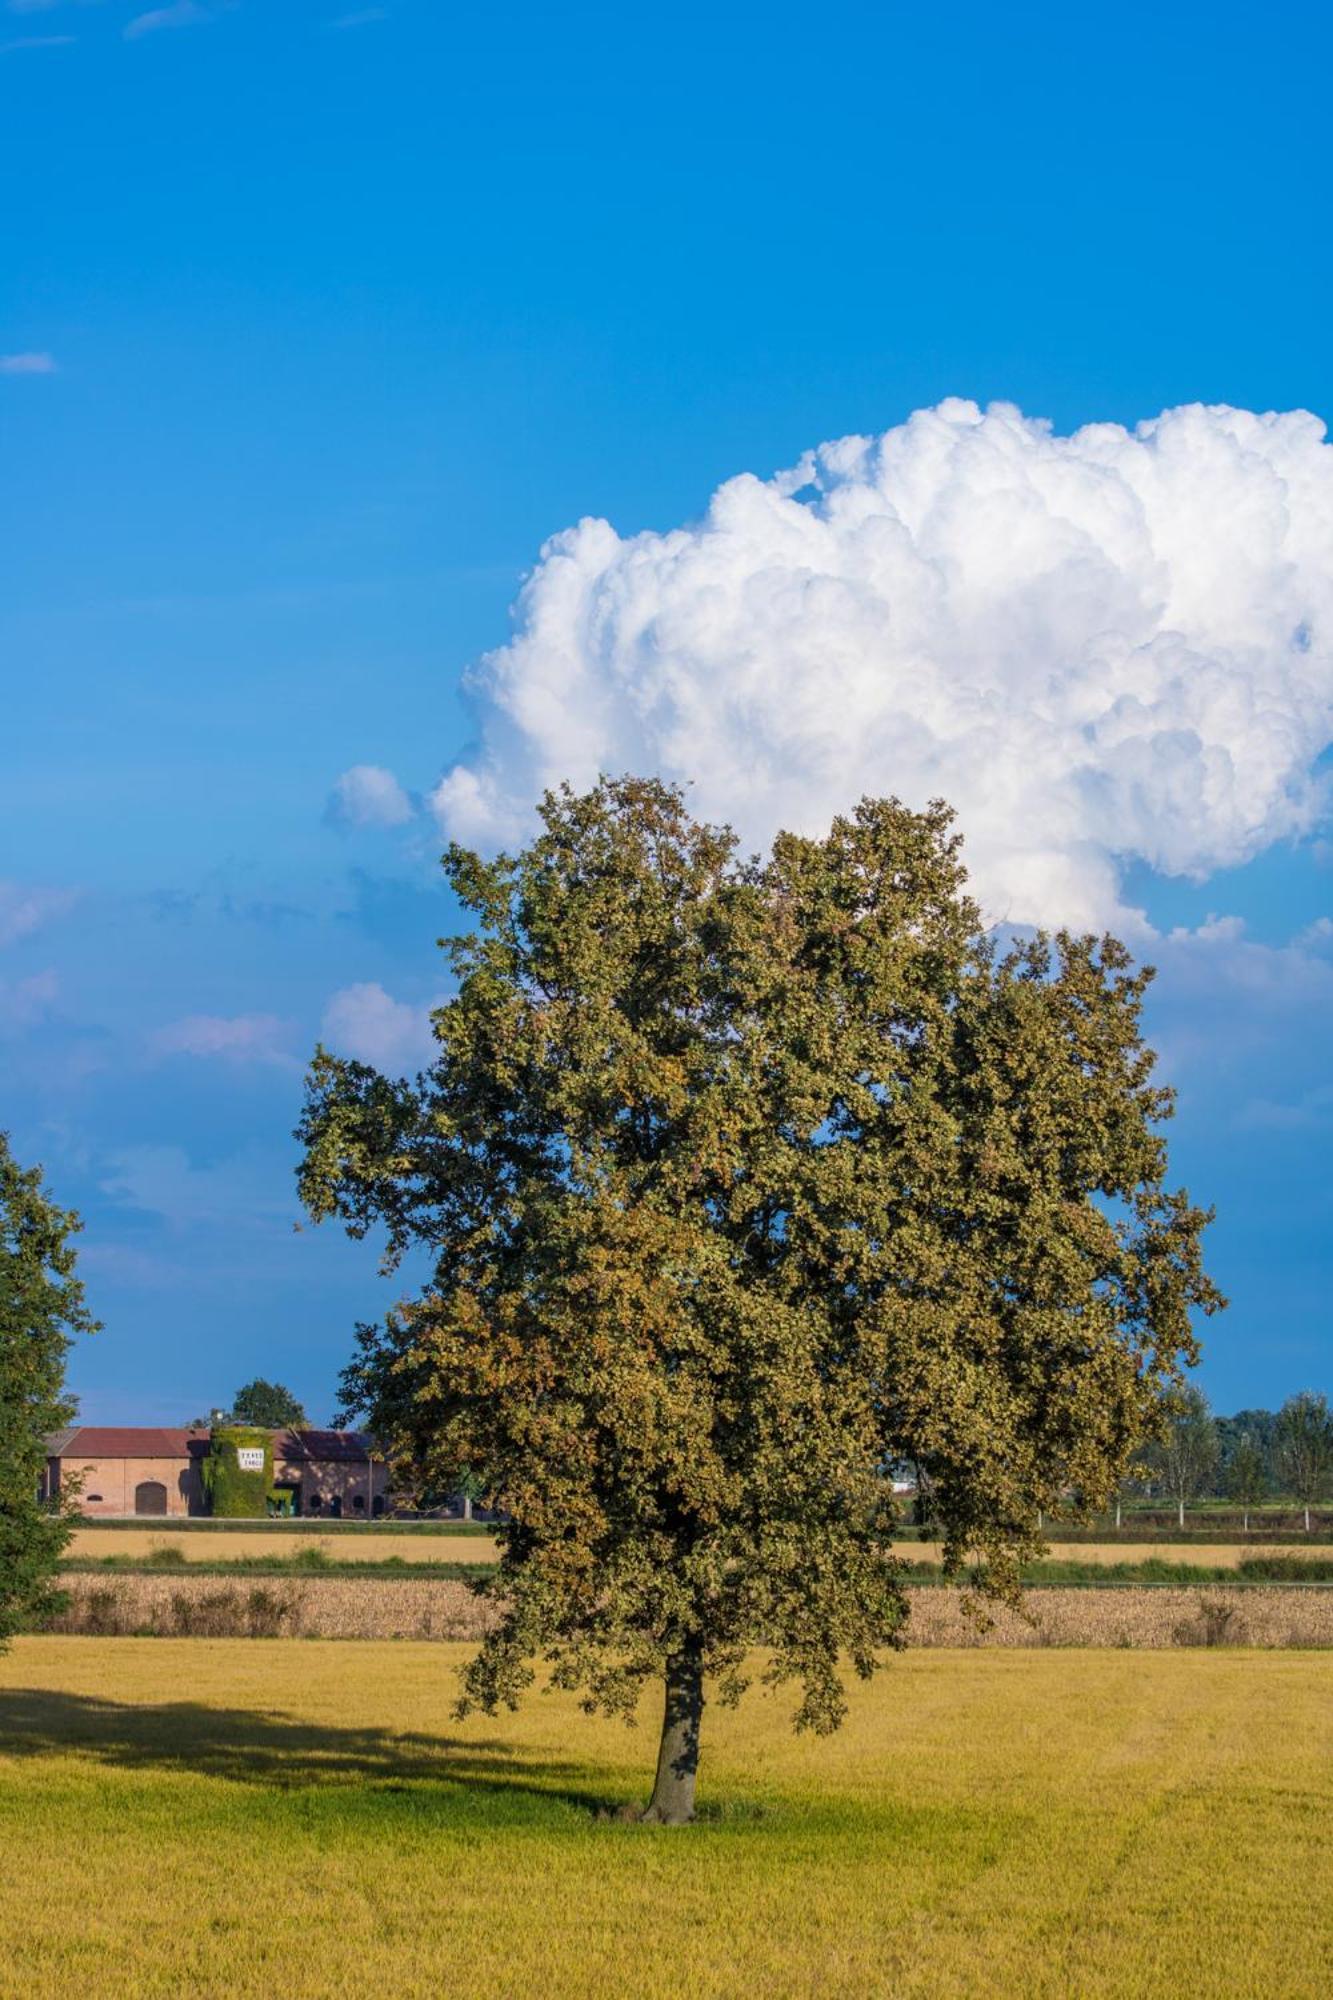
point(1247, 1520)
point(1117, 1510)
point(1182, 1513)
point(1307, 1520)
point(672, 1802)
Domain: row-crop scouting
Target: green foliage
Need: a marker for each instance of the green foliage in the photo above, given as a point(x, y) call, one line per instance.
point(1255, 1429)
point(743, 1181)
point(1246, 1475)
point(1185, 1456)
point(1303, 1441)
point(269, 1405)
point(232, 1491)
point(41, 1309)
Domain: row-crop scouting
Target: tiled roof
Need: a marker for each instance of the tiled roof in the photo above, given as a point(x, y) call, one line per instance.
point(104, 1441)
point(148, 1441)
point(321, 1447)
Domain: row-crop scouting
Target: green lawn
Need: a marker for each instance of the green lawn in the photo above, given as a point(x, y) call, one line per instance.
point(286, 1819)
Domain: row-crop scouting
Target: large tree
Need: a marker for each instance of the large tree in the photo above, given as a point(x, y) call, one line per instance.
point(41, 1309)
point(742, 1181)
point(268, 1404)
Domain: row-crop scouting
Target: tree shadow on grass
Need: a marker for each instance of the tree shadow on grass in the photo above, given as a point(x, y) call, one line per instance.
point(285, 1752)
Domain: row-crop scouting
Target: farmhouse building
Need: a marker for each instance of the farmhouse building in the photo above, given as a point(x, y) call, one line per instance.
point(117, 1471)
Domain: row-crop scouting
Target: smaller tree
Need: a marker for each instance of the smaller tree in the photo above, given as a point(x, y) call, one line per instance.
point(41, 1309)
point(1130, 1485)
point(1304, 1440)
point(1185, 1456)
point(269, 1405)
point(1247, 1476)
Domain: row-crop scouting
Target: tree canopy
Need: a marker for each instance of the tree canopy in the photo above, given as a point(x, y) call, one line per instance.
point(267, 1404)
point(743, 1180)
point(1303, 1439)
point(41, 1309)
point(1186, 1454)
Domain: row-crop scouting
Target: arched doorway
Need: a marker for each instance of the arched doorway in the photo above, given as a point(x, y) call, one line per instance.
point(150, 1497)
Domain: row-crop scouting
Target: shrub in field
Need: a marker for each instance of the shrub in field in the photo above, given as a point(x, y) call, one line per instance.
point(744, 1180)
point(269, 1613)
point(232, 1614)
point(1215, 1623)
point(102, 1613)
point(1286, 1569)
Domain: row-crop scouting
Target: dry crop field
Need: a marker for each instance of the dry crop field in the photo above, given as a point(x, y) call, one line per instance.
point(424, 1607)
point(249, 1818)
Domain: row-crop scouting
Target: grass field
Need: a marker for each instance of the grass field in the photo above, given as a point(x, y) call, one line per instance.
point(94, 1544)
point(251, 1818)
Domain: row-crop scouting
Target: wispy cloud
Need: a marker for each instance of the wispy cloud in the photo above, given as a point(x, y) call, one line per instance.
point(31, 363)
point(12, 48)
point(181, 14)
point(232, 1038)
point(162, 1180)
point(360, 17)
point(26, 1002)
point(24, 909)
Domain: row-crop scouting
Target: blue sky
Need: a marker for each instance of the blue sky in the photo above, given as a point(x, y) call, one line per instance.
point(319, 323)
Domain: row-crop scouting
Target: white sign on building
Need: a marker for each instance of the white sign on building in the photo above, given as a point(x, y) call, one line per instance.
point(250, 1457)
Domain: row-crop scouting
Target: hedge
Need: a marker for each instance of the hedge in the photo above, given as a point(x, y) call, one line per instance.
point(233, 1490)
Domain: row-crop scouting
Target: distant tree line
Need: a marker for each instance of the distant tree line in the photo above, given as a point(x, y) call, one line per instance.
point(1253, 1458)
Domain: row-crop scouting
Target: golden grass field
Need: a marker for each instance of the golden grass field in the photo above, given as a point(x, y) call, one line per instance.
point(91, 1544)
point(251, 1818)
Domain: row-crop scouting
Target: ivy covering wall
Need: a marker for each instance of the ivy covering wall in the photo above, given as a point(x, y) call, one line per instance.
point(232, 1489)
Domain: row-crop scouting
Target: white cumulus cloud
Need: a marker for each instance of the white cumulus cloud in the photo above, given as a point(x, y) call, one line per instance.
point(368, 795)
point(1104, 648)
point(367, 1023)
